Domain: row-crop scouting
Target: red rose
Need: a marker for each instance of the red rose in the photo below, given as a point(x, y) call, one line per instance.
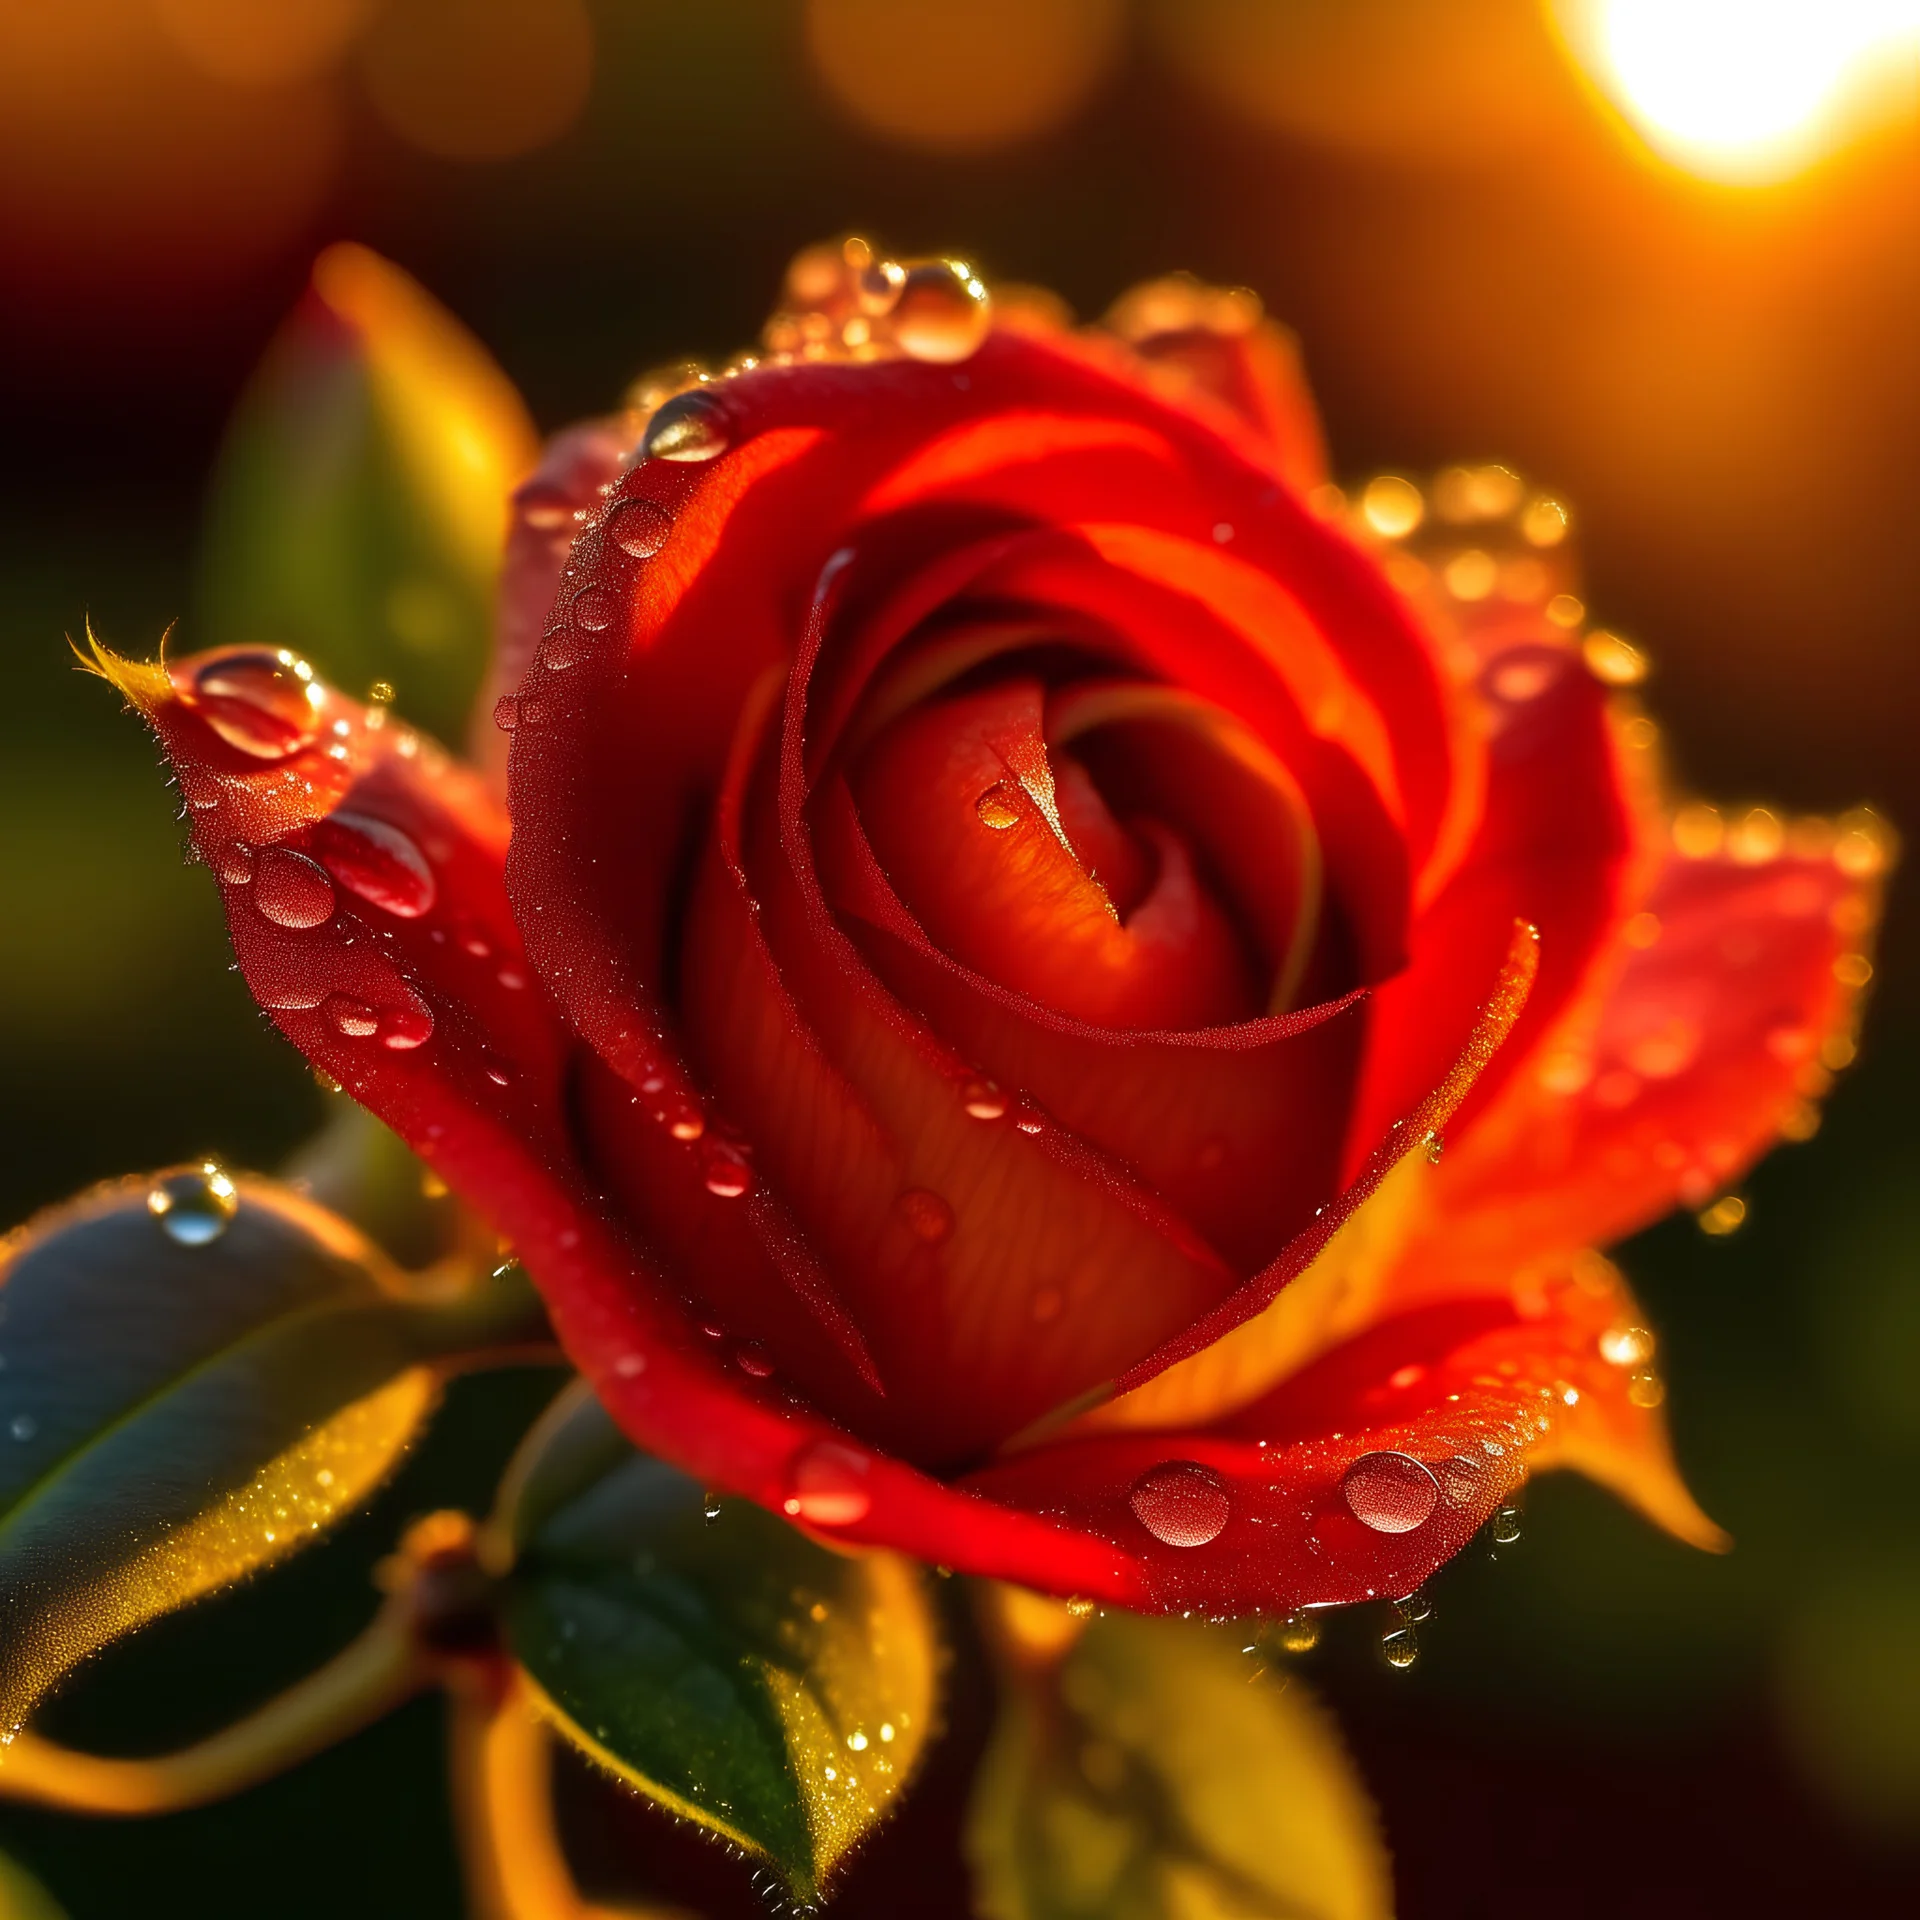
point(1008, 894)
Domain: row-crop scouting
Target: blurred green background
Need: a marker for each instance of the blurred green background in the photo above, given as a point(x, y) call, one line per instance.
point(1712, 358)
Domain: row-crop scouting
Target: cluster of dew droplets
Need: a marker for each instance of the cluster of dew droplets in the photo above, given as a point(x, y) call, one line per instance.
point(844, 301)
point(269, 706)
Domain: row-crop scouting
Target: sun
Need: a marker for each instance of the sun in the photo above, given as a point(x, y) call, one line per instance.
point(1748, 91)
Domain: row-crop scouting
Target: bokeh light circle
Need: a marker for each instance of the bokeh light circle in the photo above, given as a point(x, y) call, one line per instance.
point(479, 79)
point(962, 76)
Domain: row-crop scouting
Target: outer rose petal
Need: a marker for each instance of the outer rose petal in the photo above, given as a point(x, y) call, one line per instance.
point(1695, 1043)
point(544, 515)
point(1439, 1414)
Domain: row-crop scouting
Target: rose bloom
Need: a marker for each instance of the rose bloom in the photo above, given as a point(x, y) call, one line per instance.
point(992, 890)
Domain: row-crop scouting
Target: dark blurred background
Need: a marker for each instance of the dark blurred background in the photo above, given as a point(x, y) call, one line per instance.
point(1663, 258)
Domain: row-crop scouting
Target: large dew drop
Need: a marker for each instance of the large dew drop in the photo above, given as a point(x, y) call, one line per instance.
point(259, 702)
point(827, 1485)
point(1390, 1492)
point(942, 312)
point(193, 1209)
point(639, 528)
point(291, 890)
point(1181, 1503)
point(378, 862)
point(689, 427)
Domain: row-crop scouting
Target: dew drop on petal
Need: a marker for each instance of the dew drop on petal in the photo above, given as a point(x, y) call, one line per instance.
point(377, 861)
point(942, 312)
point(753, 1360)
point(727, 1175)
point(983, 1100)
point(593, 609)
point(1180, 1502)
point(291, 890)
point(234, 863)
point(406, 1024)
point(1505, 1526)
point(1625, 1346)
point(640, 528)
point(257, 701)
point(194, 1209)
point(689, 427)
point(999, 807)
point(1399, 1646)
point(353, 1018)
point(506, 713)
point(1390, 1492)
point(928, 1217)
point(827, 1485)
point(1299, 1632)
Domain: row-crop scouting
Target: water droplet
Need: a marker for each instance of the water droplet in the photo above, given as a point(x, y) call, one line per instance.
point(351, 1017)
point(999, 807)
point(1646, 1389)
point(983, 1100)
point(1299, 1632)
point(640, 528)
point(942, 312)
point(594, 609)
point(710, 1507)
point(1180, 1502)
point(291, 890)
point(506, 713)
point(194, 1209)
point(23, 1426)
point(689, 427)
point(827, 1485)
point(234, 863)
point(496, 1071)
point(1390, 1492)
point(381, 693)
point(377, 861)
point(1505, 1526)
point(408, 1024)
point(727, 1174)
point(1436, 1146)
point(1415, 1608)
point(687, 1124)
point(928, 1217)
point(1625, 1346)
point(753, 1360)
point(1399, 1646)
point(260, 702)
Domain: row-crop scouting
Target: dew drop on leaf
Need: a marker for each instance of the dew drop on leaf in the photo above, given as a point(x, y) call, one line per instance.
point(193, 1209)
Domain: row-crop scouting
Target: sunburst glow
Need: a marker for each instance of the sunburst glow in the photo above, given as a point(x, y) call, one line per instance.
point(1749, 90)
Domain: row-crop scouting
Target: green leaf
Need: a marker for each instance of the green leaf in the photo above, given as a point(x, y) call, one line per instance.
point(755, 1682)
point(1157, 1773)
point(198, 1374)
point(22, 1897)
point(359, 509)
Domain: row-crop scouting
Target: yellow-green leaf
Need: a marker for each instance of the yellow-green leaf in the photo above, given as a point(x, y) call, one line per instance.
point(1158, 1773)
point(751, 1680)
point(198, 1374)
point(359, 510)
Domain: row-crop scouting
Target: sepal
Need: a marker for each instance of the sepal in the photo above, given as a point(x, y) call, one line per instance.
point(735, 1671)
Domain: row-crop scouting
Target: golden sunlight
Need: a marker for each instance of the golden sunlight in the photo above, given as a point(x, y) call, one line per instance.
point(1748, 91)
